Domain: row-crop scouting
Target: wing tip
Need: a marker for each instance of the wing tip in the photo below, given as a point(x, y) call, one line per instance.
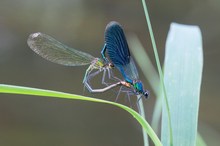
point(113, 24)
point(32, 39)
point(35, 35)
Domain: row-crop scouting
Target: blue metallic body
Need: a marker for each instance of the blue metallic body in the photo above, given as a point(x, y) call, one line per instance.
point(119, 54)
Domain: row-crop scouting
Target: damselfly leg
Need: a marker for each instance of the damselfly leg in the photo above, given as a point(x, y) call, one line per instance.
point(108, 85)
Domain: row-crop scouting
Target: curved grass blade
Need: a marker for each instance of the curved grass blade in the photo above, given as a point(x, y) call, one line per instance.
point(54, 51)
point(49, 93)
point(182, 78)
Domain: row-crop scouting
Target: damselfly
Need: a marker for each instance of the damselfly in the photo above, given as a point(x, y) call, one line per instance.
point(54, 51)
point(118, 52)
point(119, 55)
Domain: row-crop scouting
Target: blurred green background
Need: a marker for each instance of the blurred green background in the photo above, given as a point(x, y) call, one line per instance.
point(26, 120)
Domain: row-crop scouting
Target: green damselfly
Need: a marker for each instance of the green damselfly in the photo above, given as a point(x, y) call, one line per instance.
point(55, 51)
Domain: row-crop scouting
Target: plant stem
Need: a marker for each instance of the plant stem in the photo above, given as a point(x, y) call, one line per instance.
point(158, 66)
point(142, 113)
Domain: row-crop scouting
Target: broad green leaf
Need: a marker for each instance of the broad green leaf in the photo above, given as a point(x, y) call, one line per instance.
point(182, 79)
point(49, 93)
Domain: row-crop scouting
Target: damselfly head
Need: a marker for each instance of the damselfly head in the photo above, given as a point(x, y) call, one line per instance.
point(111, 65)
point(146, 94)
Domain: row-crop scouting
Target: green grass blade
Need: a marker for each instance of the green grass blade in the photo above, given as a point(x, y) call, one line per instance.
point(146, 66)
point(200, 141)
point(144, 62)
point(49, 93)
point(162, 86)
point(182, 78)
point(142, 113)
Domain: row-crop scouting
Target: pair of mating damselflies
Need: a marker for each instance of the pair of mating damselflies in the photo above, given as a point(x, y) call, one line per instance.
point(118, 56)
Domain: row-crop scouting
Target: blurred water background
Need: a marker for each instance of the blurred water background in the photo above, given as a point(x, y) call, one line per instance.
point(26, 120)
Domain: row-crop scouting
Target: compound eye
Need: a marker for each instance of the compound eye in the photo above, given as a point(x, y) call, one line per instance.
point(111, 65)
point(146, 94)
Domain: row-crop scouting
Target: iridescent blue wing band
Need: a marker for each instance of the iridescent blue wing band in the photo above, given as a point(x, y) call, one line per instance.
point(117, 47)
point(118, 51)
